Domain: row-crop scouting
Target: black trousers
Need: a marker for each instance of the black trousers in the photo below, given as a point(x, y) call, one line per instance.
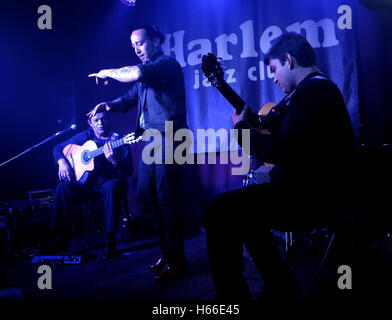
point(246, 216)
point(110, 192)
point(158, 188)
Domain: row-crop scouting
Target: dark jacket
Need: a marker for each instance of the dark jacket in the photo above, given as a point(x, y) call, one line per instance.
point(313, 142)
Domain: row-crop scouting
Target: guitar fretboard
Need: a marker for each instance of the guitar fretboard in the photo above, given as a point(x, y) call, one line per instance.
point(237, 102)
point(231, 96)
point(99, 151)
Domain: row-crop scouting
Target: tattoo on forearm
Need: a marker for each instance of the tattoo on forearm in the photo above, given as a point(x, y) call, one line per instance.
point(125, 69)
point(119, 71)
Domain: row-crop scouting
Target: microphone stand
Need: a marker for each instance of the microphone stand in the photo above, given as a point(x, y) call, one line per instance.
point(250, 177)
point(72, 127)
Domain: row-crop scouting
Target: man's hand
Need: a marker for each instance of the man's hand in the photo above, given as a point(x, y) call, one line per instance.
point(103, 74)
point(109, 153)
point(240, 117)
point(103, 106)
point(124, 74)
point(66, 173)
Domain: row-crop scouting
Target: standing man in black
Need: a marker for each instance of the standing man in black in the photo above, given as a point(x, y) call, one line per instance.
point(312, 145)
point(158, 92)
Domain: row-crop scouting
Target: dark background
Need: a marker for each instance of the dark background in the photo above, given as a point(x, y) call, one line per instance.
point(44, 85)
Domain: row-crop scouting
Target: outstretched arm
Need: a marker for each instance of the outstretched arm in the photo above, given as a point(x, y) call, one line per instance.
point(124, 74)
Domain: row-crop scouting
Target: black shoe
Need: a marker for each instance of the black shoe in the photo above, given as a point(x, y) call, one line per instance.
point(110, 247)
point(169, 272)
point(55, 247)
point(110, 254)
point(158, 264)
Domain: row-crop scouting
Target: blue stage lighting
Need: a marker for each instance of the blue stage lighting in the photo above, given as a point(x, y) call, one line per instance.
point(130, 3)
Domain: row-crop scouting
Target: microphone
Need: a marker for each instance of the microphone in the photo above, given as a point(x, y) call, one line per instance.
point(71, 127)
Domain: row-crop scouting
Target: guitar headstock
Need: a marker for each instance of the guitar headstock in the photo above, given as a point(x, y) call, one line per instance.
point(130, 138)
point(212, 69)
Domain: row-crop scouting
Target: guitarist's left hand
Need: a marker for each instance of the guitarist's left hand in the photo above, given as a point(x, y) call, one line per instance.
point(240, 117)
point(109, 153)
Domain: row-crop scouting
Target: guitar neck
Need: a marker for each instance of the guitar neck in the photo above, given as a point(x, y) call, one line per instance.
point(237, 102)
point(231, 96)
point(115, 144)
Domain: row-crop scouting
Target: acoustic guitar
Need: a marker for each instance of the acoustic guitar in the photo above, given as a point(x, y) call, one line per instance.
point(215, 75)
point(82, 157)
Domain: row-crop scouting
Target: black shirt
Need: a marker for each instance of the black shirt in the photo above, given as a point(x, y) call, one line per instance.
point(159, 95)
point(313, 142)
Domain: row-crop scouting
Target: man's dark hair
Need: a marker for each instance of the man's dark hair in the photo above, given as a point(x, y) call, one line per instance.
point(152, 32)
point(103, 111)
point(296, 45)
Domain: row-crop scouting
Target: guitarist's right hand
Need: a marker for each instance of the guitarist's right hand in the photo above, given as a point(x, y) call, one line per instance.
point(66, 172)
point(100, 107)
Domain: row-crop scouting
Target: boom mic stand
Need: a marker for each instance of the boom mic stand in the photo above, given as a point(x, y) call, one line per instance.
point(71, 127)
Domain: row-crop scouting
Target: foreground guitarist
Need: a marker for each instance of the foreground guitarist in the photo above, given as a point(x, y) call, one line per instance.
point(108, 181)
point(311, 144)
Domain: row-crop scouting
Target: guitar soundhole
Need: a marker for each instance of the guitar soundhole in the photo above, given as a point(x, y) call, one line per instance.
point(85, 157)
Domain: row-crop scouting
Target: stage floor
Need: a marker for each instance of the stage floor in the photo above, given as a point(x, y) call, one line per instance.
point(127, 277)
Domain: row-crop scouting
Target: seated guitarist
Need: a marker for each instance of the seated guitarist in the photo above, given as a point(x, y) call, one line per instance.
point(311, 144)
point(108, 182)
